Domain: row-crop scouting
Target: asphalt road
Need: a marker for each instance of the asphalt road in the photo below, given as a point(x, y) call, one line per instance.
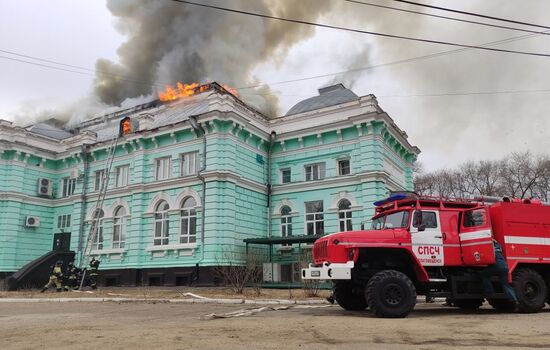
point(109, 325)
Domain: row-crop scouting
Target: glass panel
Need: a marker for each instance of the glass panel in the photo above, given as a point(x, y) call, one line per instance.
point(184, 226)
point(309, 228)
point(289, 230)
point(193, 226)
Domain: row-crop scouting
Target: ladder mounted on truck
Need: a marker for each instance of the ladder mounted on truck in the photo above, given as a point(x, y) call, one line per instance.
point(125, 127)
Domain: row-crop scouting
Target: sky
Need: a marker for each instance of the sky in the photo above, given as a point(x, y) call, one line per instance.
point(456, 107)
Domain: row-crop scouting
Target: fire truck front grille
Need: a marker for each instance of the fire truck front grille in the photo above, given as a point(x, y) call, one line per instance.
point(320, 250)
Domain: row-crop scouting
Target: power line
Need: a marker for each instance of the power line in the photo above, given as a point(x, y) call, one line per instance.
point(473, 14)
point(407, 60)
point(88, 71)
point(445, 17)
point(328, 26)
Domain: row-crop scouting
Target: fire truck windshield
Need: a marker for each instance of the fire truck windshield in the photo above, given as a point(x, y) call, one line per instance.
point(393, 220)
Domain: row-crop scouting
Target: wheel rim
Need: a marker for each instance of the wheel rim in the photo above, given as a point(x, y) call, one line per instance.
point(393, 294)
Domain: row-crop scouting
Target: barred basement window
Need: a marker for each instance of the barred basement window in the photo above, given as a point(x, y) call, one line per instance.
point(119, 228)
point(98, 239)
point(315, 224)
point(188, 232)
point(344, 215)
point(162, 224)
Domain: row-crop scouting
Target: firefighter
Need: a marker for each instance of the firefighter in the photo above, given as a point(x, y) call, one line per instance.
point(56, 277)
point(94, 272)
point(72, 276)
point(500, 268)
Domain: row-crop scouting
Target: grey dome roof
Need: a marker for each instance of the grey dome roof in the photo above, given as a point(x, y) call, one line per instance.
point(328, 96)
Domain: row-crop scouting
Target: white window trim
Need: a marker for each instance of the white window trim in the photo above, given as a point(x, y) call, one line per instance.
point(282, 177)
point(314, 219)
point(163, 221)
point(196, 161)
point(168, 168)
point(122, 225)
point(99, 181)
point(64, 219)
point(126, 178)
point(71, 182)
point(321, 170)
point(338, 166)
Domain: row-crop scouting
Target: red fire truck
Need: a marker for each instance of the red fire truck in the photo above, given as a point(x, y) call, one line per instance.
point(438, 248)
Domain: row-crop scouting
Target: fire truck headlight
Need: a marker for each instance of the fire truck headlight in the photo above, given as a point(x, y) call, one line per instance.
point(351, 254)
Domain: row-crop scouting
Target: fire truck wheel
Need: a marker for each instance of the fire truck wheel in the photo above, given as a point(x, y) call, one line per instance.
point(502, 305)
point(391, 293)
point(530, 290)
point(468, 304)
point(348, 298)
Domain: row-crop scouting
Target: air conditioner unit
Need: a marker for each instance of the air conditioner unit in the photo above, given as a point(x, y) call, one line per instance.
point(44, 187)
point(32, 221)
point(272, 272)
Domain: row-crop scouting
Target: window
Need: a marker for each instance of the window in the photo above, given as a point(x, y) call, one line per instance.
point(344, 167)
point(99, 179)
point(315, 172)
point(119, 228)
point(163, 168)
point(286, 221)
point(98, 234)
point(64, 221)
point(428, 219)
point(189, 163)
point(344, 215)
point(393, 220)
point(314, 218)
point(162, 224)
point(475, 217)
point(285, 176)
point(188, 232)
point(68, 186)
point(122, 175)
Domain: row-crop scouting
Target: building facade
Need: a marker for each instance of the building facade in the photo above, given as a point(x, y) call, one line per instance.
point(193, 179)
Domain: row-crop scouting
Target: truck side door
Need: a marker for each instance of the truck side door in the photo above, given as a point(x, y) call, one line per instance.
point(476, 237)
point(426, 238)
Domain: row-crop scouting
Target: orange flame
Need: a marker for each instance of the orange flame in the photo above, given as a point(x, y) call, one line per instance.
point(183, 90)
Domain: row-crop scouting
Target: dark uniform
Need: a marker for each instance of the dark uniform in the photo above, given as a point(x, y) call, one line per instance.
point(56, 277)
point(72, 276)
point(500, 268)
point(94, 273)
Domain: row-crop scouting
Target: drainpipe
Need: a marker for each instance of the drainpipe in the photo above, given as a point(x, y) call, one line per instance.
point(269, 187)
point(199, 130)
point(83, 198)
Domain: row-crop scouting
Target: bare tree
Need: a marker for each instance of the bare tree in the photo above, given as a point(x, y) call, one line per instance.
point(311, 287)
point(238, 269)
point(517, 175)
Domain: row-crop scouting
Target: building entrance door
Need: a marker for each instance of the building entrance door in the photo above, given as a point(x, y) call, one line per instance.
point(62, 241)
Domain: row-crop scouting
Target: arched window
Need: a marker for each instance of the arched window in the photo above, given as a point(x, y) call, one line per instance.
point(344, 215)
point(98, 238)
point(188, 233)
point(286, 221)
point(162, 224)
point(119, 227)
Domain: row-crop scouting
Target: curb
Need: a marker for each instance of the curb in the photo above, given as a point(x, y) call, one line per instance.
point(172, 301)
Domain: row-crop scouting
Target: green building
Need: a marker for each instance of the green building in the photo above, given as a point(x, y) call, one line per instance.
point(194, 179)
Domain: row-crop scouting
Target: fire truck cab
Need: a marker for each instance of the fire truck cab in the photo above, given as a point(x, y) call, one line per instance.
point(438, 248)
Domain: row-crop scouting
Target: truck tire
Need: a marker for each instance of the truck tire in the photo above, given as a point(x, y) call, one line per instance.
point(502, 305)
point(391, 294)
point(530, 290)
point(347, 298)
point(468, 304)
